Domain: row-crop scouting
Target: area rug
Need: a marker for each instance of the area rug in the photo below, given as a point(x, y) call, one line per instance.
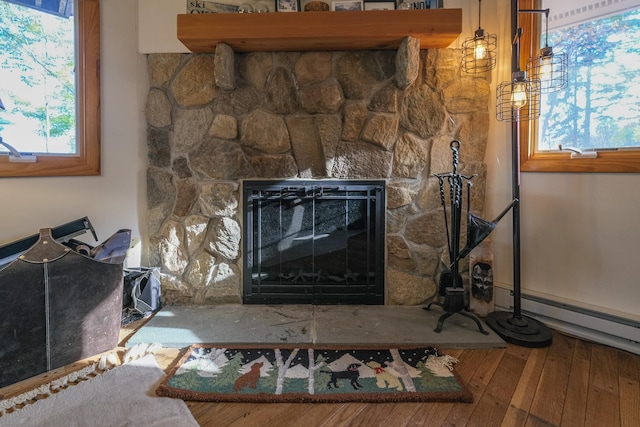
point(122, 396)
point(239, 373)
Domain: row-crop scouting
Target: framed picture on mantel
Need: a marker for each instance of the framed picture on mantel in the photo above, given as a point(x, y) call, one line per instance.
point(427, 4)
point(379, 5)
point(231, 6)
point(345, 5)
point(287, 6)
point(315, 5)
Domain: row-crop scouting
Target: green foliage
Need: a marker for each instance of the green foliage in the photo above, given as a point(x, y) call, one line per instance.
point(231, 370)
point(40, 49)
point(271, 380)
point(430, 382)
point(321, 377)
point(599, 108)
point(189, 380)
point(321, 361)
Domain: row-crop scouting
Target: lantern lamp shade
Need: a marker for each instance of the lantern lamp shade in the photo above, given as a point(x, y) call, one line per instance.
point(551, 69)
point(518, 99)
point(479, 52)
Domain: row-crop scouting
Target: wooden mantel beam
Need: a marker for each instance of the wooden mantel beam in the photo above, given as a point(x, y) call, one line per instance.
point(308, 31)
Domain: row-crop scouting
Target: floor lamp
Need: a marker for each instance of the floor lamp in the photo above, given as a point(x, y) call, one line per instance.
point(514, 327)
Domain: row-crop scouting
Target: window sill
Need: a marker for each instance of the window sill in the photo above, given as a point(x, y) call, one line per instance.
point(606, 162)
point(48, 165)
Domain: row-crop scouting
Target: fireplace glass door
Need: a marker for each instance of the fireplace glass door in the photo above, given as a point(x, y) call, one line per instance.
point(313, 242)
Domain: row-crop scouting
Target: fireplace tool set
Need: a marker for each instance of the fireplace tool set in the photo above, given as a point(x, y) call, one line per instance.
point(478, 229)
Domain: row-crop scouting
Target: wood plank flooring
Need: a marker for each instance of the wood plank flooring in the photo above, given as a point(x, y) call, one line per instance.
point(570, 383)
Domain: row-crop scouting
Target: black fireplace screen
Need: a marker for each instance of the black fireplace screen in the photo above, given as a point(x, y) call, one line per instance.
point(316, 242)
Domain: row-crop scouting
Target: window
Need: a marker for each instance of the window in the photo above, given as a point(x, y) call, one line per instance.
point(37, 79)
point(599, 110)
point(79, 154)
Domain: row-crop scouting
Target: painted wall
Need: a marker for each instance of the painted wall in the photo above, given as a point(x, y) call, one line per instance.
point(578, 230)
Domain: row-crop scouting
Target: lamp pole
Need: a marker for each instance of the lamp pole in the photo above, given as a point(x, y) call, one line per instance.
point(514, 327)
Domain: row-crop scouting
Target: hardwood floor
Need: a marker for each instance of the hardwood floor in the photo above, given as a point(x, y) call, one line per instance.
point(570, 383)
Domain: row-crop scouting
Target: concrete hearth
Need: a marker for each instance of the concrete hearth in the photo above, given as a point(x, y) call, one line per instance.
point(216, 120)
point(182, 326)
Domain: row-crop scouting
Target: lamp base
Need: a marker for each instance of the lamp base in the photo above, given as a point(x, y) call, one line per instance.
point(522, 330)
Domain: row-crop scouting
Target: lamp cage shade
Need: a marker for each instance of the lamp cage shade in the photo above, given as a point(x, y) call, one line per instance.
point(479, 52)
point(518, 99)
point(551, 69)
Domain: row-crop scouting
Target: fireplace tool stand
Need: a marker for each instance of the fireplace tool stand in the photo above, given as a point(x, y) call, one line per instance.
point(454, 294)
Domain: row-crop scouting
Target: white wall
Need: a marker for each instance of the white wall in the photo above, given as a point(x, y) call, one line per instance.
point(578, 230)
point(154, 38)
point(116, 199)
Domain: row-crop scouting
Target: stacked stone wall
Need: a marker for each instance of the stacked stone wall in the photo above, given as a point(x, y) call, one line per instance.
point(217, 119)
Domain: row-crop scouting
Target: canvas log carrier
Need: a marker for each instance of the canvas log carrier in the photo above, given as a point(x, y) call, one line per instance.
point(58, 306)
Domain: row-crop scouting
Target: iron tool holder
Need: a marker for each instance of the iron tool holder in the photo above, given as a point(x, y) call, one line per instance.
point(477, 230)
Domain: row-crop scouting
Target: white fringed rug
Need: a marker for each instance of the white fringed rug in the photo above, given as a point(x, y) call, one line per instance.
point(123, 396)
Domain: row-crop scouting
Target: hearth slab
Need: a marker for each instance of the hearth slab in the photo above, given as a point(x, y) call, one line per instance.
point(349, 324)
point(181, 326)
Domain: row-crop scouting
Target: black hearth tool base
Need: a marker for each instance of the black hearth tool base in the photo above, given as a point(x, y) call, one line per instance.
point(521, 330)
point(454, 304)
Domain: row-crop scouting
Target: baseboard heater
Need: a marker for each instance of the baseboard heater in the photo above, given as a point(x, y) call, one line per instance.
point(589, 324)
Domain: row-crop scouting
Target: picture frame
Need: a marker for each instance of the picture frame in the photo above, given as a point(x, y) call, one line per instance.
point(315, 5)
point(427, 4)
point(287, 5)
point(379, 5)
point(230, 6)
point(347, 5)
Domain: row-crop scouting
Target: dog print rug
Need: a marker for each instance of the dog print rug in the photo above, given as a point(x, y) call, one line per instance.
point(239, 373)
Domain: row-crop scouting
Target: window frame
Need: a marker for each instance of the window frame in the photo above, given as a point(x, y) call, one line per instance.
point(624, 161)
point(86, 161)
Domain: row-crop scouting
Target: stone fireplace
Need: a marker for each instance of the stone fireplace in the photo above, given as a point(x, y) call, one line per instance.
point(218, 120)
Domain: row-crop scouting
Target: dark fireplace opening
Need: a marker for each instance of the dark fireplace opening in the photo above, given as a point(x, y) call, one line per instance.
point(313, 242)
